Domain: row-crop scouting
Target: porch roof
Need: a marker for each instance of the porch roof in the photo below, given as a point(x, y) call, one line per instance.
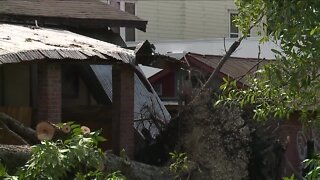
point(20, 44)
point(23, 44)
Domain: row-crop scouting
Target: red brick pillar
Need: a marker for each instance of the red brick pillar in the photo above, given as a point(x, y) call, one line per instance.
point(49, 92)
point(123, 109)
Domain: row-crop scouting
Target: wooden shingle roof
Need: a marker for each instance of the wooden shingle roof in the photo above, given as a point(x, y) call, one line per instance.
point(19, 44)
point(67, 13)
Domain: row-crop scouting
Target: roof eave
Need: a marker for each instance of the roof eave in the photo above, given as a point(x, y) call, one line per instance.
point(69, 22)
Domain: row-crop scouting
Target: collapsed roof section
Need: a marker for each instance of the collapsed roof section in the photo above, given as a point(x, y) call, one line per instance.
point(149, 111)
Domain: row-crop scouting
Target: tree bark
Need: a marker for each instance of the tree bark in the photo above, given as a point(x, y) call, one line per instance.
point(135, 170)
point(28, 134)
point(14, 156)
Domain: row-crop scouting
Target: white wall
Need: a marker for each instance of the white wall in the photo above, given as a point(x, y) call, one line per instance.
point(184, 19)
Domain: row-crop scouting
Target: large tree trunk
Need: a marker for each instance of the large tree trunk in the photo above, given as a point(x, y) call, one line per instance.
point(16, 156)
point(135, 170)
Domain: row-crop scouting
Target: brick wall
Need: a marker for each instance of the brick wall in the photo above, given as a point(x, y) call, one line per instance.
point(49, 92)
point(123, 109)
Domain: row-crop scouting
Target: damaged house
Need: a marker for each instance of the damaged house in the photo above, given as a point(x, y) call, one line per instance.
point(295, 139)
point(51, 74)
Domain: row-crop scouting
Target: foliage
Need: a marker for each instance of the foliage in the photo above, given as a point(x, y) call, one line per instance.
point(313, 165)
point(77, 157)
point(291, 82)
point(179, 164)
point(116, 176)
point(4, 174)
point(289, 178)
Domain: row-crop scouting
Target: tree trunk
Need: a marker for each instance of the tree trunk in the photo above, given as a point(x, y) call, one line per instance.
point(135, 170)
point(13, 156)
point(28, 134)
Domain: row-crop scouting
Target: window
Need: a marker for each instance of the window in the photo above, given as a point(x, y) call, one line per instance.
point(127, 34)
point(233, 29)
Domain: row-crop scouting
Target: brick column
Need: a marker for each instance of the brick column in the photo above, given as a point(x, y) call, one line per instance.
point(123, 109)
point(49, 92)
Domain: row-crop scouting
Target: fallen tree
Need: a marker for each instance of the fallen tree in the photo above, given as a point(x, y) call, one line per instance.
point(17, 156)
point(13, 157)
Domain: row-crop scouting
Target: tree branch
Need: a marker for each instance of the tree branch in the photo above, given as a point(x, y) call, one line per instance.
point(26, 133)
point(223, 60)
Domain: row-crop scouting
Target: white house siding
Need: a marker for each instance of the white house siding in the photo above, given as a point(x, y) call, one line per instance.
point(168, 20)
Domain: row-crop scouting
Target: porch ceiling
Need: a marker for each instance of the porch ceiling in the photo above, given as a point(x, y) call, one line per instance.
point(23, 44)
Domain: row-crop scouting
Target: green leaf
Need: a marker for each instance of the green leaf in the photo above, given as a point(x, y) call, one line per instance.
point(313, 31)
point(101, 139)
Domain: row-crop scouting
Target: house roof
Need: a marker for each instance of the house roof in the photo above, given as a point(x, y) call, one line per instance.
point(24, 44)
point(159, 75)
point(69, 13)
point(234, 67)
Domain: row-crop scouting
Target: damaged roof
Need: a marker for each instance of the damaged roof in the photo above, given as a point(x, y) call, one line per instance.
point(23, 44)
point(147, 103)
point(68, 13)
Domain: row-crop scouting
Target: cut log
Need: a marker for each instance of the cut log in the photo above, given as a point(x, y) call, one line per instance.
point(28, 134)
point(16, 156)
point(85, 130)
point(45, 131)
point(49, 131)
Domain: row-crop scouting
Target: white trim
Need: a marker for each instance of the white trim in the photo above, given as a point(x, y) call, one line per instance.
point(136, 13)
